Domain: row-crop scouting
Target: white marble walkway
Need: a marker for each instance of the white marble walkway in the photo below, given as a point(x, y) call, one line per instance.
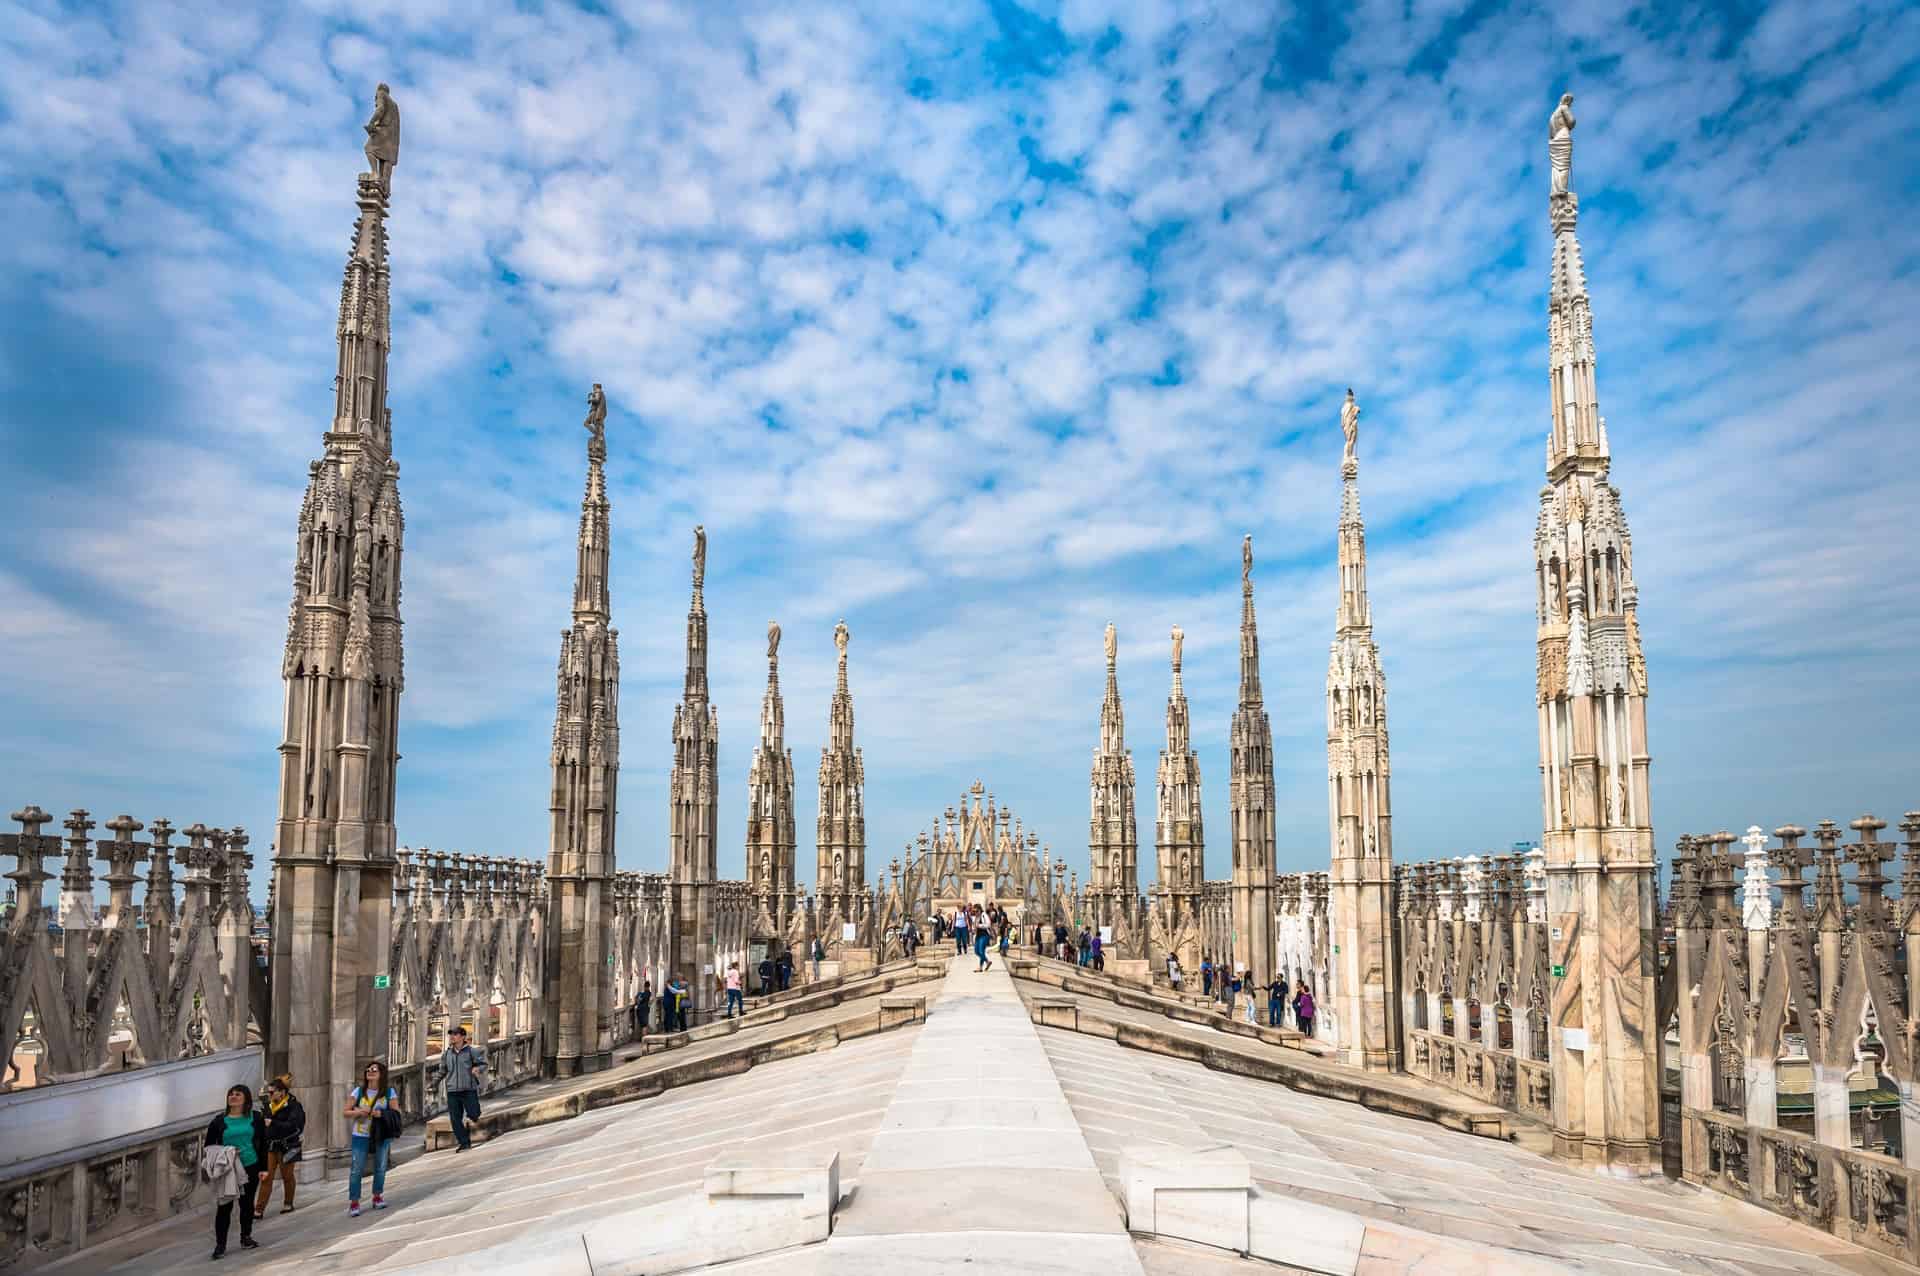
point(978, 1162)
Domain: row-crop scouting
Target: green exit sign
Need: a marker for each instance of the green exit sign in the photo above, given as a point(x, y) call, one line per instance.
point(383, 981)
point(1559, 971)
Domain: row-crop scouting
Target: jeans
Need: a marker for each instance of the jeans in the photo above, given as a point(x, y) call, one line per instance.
point(1306, 1023)
point(959, 941)
point(362, 1147)
point(736, 1000)
point(980, 950)
point(223, 1216)
point(462, 1106)
point(275, 1167)
point(1276, 1011)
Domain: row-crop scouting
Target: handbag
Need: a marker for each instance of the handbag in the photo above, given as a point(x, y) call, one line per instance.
point(291, 1152)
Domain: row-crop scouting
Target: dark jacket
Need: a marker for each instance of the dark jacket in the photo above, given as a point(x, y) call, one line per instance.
point(285, 1126)
point(217, 1127)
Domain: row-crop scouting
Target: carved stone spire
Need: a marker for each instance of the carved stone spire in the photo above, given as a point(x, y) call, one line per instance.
point(1179, 834)
point(1250, 798)
point(770, 826)
point(1591, 701)
point(334, 830)
point(1366, 1010)
point(1113, 843)
point(693, 796)
point(585, 796)
point(840, 840)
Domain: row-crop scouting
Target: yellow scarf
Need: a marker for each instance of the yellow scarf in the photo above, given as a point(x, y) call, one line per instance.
point(274, 1108)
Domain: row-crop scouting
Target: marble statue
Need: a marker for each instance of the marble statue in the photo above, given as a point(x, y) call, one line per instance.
point(840, 635)
point(1350, 427)
point(1179, 642)
point(1246, 561)
point(596, 421)
point(383, 137)
point(699, 555)
point(1560, 144)
point(1112, 646)
point(773, 639)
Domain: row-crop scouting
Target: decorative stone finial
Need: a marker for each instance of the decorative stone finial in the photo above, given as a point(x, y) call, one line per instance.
point(1350, 428)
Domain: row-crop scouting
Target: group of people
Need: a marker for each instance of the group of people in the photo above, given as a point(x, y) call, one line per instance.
point(675, 997)
point(975, 926)
point(1225, 984)
point(250, 1145)
point(1085, 949)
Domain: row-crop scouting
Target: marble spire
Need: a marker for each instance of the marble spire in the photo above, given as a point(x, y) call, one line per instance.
point(770, 825)
point(693, 797)
point(1179, 842)
point(1113, 842)
point(1591, 698)
point(840, 841)
point(585, 797)
point(1250, 799)
point(1365, 1014)
point(342, 669)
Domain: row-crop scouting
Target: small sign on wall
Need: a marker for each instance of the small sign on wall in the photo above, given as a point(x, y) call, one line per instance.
point(383, 981)
point(850, 933)
point(1106, 935)
point(1573, 1038)
point(1559, 971)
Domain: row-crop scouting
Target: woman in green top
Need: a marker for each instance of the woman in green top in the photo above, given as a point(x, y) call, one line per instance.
point(244, 1130)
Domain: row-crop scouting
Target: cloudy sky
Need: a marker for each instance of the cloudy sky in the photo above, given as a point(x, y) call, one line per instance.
point(979, 325)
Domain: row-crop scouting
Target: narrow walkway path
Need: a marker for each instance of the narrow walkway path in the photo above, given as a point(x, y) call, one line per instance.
point(978, 1162)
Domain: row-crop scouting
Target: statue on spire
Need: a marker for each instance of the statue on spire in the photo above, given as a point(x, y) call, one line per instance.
point(1350, 427)
point(1179, 643)
point(773, 640)
point(699, 556)
point(596, 421)
point(1560, 144)
point(1112, 643)
point(1246, 562)
point(383, 137)
point(840, 634)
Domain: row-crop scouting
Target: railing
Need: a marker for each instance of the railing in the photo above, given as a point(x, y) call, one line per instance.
point(1472, 939)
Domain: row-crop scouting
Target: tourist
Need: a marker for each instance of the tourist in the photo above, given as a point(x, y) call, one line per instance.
point(1099, 959)
point(1277, 1001)
point(1006, 932)
point(678, 990)
point(1206, 975)
point(245, 1131)
point(1173, 972)
point(463, 1062)
point(666, 1005)
point(642, 1002)
point(909, 938)
point(960, 931)
point(783, 970)
point(1303, 1009)
point(367, 1101)
point(1060, 940)
point(1086, 946)
point(736, 996)
point(286, 1121)
point(980, 945)
point(768, 974)
point(819, 955)
point(1252, 1018)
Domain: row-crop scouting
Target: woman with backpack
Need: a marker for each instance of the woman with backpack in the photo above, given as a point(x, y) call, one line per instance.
point(979, 930)
point(367, 1108)
point(286, 1121)
point(245, 1131)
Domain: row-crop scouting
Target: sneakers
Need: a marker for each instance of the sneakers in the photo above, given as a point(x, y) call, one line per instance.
point(378, 1203)
point(247, 1242)
point(353, 1209)
point(286, 1209)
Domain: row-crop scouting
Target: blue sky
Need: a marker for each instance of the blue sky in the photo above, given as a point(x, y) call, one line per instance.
point(979, 325)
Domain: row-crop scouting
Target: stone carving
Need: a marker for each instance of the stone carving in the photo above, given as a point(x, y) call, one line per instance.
point(840, 636)
point(1112, 645)
point(1560, 144)
point(1350, 428)
point(1246, 563)
point(596, 421)
point(699, 557)
point(773, 639)
point(383, 137)
point(1179, 642)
